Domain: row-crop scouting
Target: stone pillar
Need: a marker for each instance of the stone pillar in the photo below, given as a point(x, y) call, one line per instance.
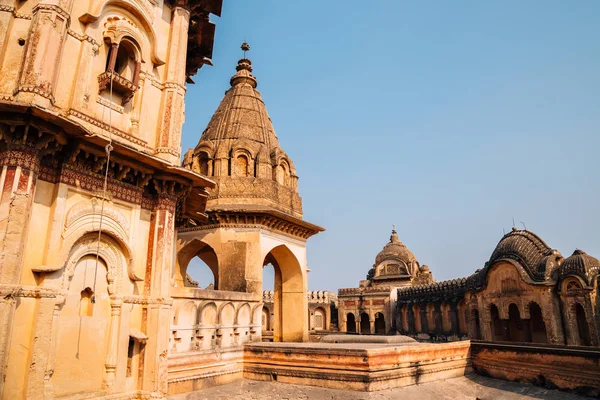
point(20, 165)
point(113, 342)
point(43, 351)
point(411, 318)
point(157, 313)
point(43, 53)
point(424, 322)
point(439, 324)
point(454, 319)
point(168, 145)
point(372, 326)
point(553, 320)
point(485, 322)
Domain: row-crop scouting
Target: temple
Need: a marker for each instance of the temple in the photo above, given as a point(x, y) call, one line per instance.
point(101, 215)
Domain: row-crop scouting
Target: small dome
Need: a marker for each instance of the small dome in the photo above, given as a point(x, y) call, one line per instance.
point(395, 250)
point(580, 264)
point(424, 268)
point(529, 250)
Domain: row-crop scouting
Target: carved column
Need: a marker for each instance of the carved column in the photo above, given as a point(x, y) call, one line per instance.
point(43, 52)
point(113, 342)
point(20, 165)
point(372, 325)
point(157, 320)
point(168, 145)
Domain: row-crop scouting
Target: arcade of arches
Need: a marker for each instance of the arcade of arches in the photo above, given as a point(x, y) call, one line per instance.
point(542, 298)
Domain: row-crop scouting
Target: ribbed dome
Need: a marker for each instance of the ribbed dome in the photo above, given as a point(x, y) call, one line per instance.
point(580, 264)
point(529, 250)
point(395, 250)
point(240, 152)
point(242, 113)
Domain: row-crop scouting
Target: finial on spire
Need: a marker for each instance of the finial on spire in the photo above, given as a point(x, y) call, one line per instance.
point(244, 70)
point(245, 47)
point(394, 235)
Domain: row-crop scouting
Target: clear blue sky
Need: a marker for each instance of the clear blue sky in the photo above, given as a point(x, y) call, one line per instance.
point(447, 118)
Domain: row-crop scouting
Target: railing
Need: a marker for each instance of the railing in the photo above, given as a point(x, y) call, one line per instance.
point(205, 319)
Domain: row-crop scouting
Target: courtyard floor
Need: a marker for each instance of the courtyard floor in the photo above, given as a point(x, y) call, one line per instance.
point(467, 387)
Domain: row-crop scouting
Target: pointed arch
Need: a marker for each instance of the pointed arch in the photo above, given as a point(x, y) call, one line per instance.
point(290, 322)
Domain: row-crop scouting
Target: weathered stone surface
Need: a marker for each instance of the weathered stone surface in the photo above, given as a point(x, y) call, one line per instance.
point(463, 388)
point(356, 366)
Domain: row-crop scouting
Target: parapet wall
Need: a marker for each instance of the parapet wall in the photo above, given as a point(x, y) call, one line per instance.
point(555, 367)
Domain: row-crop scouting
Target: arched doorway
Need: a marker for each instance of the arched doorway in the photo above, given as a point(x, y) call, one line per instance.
point(380, 324)
point(82, 339)
point(475, 325)
point(350, 323)
point(319, 319)
point(582, 326)
point(290, 306)
point(516, 332)
point(365, 324)
point(265, 319)
point(496, 327)
point(538, 328)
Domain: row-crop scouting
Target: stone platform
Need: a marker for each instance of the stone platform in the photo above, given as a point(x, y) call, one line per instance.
point(356, 366)
point(463, 388)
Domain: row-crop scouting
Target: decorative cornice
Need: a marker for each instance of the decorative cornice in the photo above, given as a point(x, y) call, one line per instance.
point(256, 219)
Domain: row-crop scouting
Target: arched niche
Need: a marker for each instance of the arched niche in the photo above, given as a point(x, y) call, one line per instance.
point(380, 328)
point(139, 20)
point(290, 320)
point(365, 324)
point(319, 319)
point(350, 323)
point(202, 250)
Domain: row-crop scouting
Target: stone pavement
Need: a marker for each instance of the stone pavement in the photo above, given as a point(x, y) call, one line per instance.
point(467, 387)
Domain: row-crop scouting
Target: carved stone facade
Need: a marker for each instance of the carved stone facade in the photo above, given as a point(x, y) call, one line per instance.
point(370, 308)
point(526, 292)
point(91, 191)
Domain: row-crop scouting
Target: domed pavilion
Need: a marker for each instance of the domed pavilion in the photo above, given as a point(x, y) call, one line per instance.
point(254, 215)
point(370, 308)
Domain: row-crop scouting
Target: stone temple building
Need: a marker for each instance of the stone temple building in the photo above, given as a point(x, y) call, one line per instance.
point(526, 292)
point(370, 308)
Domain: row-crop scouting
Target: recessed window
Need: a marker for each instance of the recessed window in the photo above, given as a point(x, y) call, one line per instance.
point(86, 305)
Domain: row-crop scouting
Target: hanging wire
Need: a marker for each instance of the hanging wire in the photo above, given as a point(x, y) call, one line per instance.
point(108, 148)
